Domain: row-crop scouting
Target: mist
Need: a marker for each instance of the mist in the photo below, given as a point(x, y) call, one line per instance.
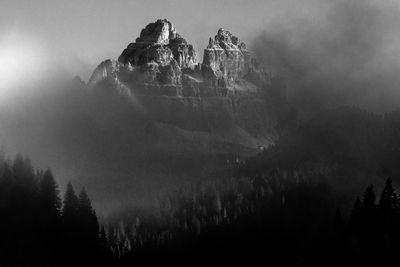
point(335, 53)
point(331, 53)
point(189, 131)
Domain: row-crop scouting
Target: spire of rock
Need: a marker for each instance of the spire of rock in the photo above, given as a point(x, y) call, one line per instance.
point(160, 43)
point(159, 32)
point(226, 61)
point(161, 62)
point(226, 40)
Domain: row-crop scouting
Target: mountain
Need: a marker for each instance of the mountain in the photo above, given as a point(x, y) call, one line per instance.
point(153, 119)
point(229, 95)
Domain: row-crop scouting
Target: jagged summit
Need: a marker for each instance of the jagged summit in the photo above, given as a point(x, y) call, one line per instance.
point(228, 91)
point(160, 43)
point(228, 65)
point(161, 62)
point(159, 32)
point(226, 40)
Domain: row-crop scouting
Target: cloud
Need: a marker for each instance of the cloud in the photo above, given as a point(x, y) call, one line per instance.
point(336, 53)
point(27, 59)
point(23, 59)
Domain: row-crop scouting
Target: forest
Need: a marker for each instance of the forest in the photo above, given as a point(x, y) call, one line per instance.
point(38, 228)
point(284, 206)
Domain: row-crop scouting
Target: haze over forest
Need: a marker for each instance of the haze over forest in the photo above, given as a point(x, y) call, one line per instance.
point(331, 53)
point(189, 131)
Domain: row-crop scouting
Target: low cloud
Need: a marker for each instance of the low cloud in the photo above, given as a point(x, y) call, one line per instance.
point(336, 53)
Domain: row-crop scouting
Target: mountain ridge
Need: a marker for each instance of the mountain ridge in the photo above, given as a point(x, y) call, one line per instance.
point(161, 73)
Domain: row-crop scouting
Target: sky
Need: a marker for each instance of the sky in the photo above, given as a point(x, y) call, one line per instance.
point(92, 30)
point(328, 46)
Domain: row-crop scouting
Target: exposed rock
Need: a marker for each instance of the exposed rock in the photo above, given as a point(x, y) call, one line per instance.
point(227, 62)
point(160, 55)
point(228, 90)
point(161, 62)
point(108, 72)
point(159, 42)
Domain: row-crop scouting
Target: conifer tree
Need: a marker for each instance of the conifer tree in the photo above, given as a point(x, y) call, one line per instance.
point(84, 204)
point(23, 170)
point(49, 194)
point(369, 198)
point(49, 213)
point(87, 216)
point(87, 228)
point(388, 204)
point(70, 204)
point(388, 200)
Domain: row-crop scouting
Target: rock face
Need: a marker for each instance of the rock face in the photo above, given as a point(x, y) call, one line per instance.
point(227, 64)
point(228, 90)
point(160, 43)
point(157, 61)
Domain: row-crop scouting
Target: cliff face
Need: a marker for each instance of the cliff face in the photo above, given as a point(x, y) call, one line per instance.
point(157, 60)
point(159, 42)
point(228, 92)
point(228, 66)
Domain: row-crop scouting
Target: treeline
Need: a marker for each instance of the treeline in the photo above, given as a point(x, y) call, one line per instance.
point(276, 217)
point(373, 230)
point(280, 206)
point(276, 208)
point(351, 146)
point(38, 228)
point(285, 218)
point(346, 137)
point(281, 217)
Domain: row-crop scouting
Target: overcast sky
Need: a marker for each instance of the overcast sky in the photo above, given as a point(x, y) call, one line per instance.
point(98, 29)
point(352, 43)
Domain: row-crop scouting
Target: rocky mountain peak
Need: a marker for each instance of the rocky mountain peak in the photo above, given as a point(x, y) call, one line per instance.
point(162, 63)
point(226, 40)
point(160, 32)
point(227, 64)
point(228, 91)
point(160, 43)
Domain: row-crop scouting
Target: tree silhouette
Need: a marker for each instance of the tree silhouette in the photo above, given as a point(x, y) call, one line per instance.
point(388, 200)
point(70, 229)
point(37, 228)
point(88, 219)
point(70, 204)
point(369, 198)
point(49, 211)
point(388, 204)
point(49, 194)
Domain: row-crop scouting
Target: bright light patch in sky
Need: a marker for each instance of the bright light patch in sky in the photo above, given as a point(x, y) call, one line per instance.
point(22, 60)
